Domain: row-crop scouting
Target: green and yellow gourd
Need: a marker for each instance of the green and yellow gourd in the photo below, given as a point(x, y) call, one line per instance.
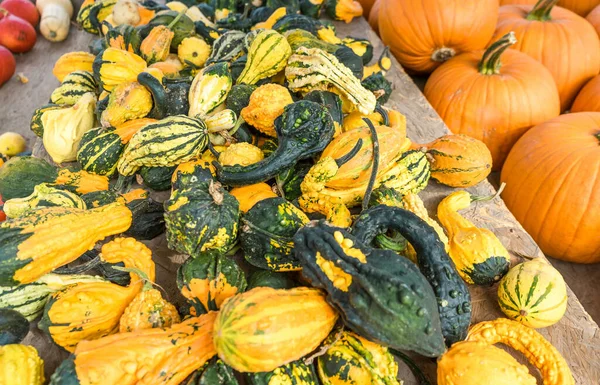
point(267, 56)
point(73, 87)
point(42, 196)
point(127, 101)
point(116, 66)
point(250, 195)
point(167, 142)
point(181, 25)
point(352, 359)
point(215, 372)
point(267, 231)
point(227, 47)
point(294, 373)
point(201, 217)
point(361, 47)
point(100, 149)
point(51, 237)
point(169, 94)
point(477, 253)
point(381, 295)
point(344, 10)
point(93, 13)
point(36, 124)
point(124, 37)
point(272, 279)
point(21, 365)
point(208, 279)
point(209, 89)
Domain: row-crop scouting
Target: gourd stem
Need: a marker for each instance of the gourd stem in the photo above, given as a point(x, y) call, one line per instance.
point(490, 62)
point(475, 198)
point(237, 125)
point(375, 167)
point(351, 154)
point(396, 242)
point(143, 276)
point(541, 10)
point(381, 111)
point(416, 371)
point(176, 19)
point(213, 150)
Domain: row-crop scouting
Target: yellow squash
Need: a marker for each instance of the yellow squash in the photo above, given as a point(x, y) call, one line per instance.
point(20, 365)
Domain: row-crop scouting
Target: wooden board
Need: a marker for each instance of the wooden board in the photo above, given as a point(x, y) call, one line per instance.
point(576, 336)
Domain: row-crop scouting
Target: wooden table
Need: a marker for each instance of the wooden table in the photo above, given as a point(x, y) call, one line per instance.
point(576, 336)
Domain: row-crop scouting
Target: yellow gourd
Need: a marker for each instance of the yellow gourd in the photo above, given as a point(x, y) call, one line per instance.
point(20, 365)
point(242, 154)
point(266, 104)
point(193, 50)
point(71, 62)
point(127, 101)
point(12, 143)
point(251, 194)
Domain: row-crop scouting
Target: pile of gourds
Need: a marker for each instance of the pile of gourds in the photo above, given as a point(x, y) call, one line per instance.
point(257, 119)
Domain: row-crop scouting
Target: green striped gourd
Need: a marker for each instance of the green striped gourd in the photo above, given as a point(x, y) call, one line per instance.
point(92, 14)
point(227, 47)
point(267, 56)
point(36, 124)
point(167, 142)
point(310, 68)
point(294, 373)
point(29, 299)
point(73, 87)
point(533, 293)
point(222, 120)
point(43, 195)
point(209, 89)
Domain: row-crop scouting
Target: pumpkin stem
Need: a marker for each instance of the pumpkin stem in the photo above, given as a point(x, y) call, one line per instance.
point(541, 10)
point(440, 55)
point(490, 62)
point(375, 167)
point(381, 111)
point(214, 189)
point(143, 276)
point(416, 371)
point(345, 158)
point(475, 198)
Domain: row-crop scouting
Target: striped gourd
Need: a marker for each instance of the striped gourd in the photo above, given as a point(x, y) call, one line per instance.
point(227, 47)
point(92, 14)
point(29, 299)
point(310, 68)
point(209, 89)
point(167, 142)
point(100, 149)
point(222, 120)
point(73, 87)
point(264, 328)
point(43, 195)
point(410, 174)
point(115, 66)
point(36, 120)
point(267, 56)
point(533, 293)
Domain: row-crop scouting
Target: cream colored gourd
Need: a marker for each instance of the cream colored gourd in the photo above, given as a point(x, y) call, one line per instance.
point(126, 12)
point(55, 18)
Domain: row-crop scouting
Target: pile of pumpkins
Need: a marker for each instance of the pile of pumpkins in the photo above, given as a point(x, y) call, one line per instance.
point(253, 119)
point(504, 72)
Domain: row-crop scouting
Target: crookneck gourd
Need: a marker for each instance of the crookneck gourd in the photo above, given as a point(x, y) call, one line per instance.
point(381, 295)
point(295, 373)
point(209, 89)
point(208, 279)
point(452, 295)
point(268, 55)
point(477, 253)
point(169, 95)
point(352, 359)
point(304, 129)
point(313, 68)
point(253, 332)
point(267, 231)
point(43, 196)
point(150, 356)
point(90, 310)
point(38, 243)
point(201, 217)
point(538, 350)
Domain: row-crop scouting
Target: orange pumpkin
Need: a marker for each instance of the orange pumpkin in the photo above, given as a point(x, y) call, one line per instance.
point(594, 19)
point(553, 185)
point(424, 33)
point(561, 40)
point(580, 7)
point(493, 96)
point(588, 98)
point(374, 16)
point(367, 5)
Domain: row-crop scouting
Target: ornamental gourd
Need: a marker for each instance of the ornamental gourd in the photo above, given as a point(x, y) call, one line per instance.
point(587, 99)
point(241, 154)
point(13, 327)
point(71, 62)
point(36, 119)
point(489, 81)
point(208, 279)
point(565, 43)
point(381, 295)
point(165, 356)
point(251, 194)
point(424, 35)
point(209, 89)
point(266, 103)
point(227, 47)
point(127, 101)
point(43, 196)
point(295, 373)
point(93, 13)
point(268, 54)
point(215, 372)
point(344, 10)
point(299, 320)
point(73, 87)
point(115, 66)
point(557, 203)
point(21, 365)
point(193, 50)
point(91, 310)
point(533, 293)
point(539, 351)
point(477, 253)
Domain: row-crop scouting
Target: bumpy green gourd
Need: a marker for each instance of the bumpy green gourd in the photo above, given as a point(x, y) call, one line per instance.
point(294, 373)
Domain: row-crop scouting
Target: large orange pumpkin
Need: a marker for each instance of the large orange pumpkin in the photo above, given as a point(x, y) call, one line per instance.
point(374, 16)
point(580, 7)
point(494, 95)
point(553, 186)
point(588, 98)
point(424, 33)
point(594, 19)
point(563, 41)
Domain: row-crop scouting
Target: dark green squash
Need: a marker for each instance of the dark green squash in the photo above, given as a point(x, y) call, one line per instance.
point(244, 134)
point(239, 96)
point(13, 327)
point(215, 372)
point(381, 295)
point(148, 219)
point(267, 231)
point(260, 14)
point(227, 47)
point(124, 37)
point(200, 218)
point(304, 129)
point(21, 174)
point(351, 60)
point(379, 85)
point(170, 97)
point(207, 33)
point(65, 374)
point(183, 28)
point(235, 21)
point(289, 180)
point(208, 279)
point(157, 178)
point(296, 21)
point(191, 173)
point(293, 6)
point(330, 100)
point(237, 67)
point(310, 9)
point(207, 9)
point(361, 47)
point(36, 120)
point(99, 198)
point(267, 278)
point(453, 298)
point(294, 373)
point(97, 45)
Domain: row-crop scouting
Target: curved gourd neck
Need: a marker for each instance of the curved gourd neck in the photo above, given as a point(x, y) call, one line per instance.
point(541, 10)
point(448, 214)
point(490, 62)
